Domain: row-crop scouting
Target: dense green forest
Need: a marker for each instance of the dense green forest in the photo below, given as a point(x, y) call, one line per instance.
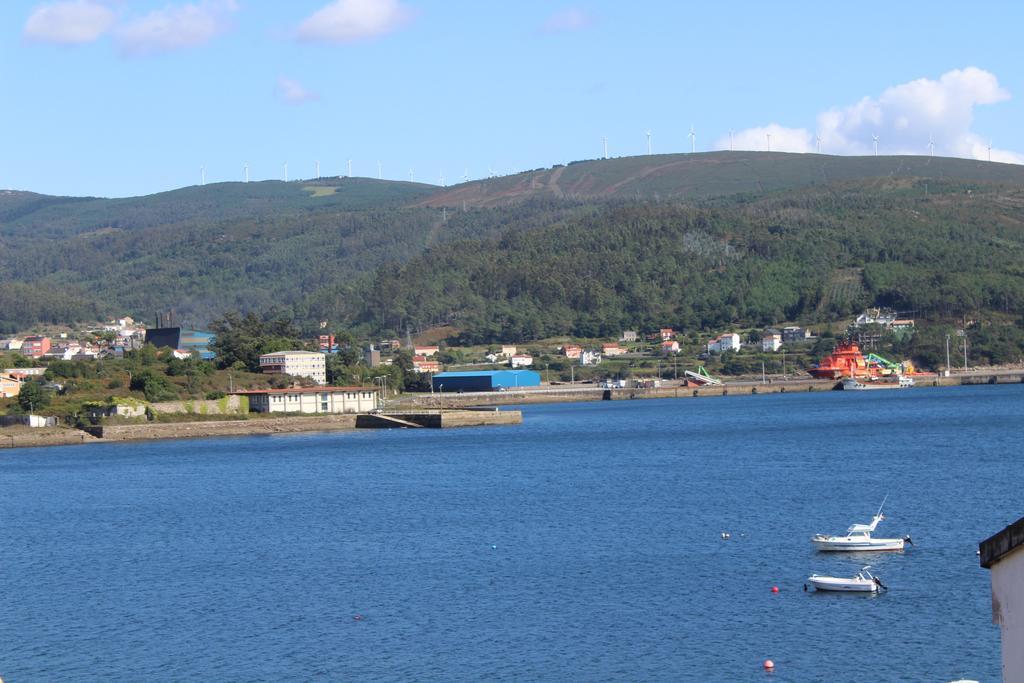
point(809, 239)
point(813, 255)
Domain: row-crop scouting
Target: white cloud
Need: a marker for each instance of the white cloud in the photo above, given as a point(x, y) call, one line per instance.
point(69, 23)
point(782, 139)
point(345, 21)
point(175, 27)
point(571, 19)
point(293, 91)
point(904, 117)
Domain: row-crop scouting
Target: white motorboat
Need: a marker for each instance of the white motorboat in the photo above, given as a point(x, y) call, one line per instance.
point(863, 582)
point(858, 538)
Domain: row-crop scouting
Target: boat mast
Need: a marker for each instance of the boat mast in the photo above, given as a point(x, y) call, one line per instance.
point(882, 505)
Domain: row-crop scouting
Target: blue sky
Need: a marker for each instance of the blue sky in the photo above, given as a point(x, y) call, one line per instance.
point(127, 97)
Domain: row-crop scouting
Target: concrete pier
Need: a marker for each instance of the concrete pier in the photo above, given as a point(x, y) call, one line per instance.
point(439, 419)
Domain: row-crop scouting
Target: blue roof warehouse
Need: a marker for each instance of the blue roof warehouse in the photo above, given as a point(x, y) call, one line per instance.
point(182, 338)
point(485, 380)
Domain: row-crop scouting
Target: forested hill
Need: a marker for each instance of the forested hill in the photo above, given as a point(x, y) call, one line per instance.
point(691, 240)
point(27, 213)
point(712, 174)
point(813, 255)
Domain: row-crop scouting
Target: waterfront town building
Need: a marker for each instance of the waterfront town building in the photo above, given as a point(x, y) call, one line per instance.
point(670, 346)
point(311, 364)
point(35, 347)
point(795, 334)
point(423, 364)
point(666, 333)
point(572, 350)
point(313, 400)
point(628, 336)
point(612, 349)
point(771, 341)
point(9, 386)
point(726, 342)
point(484, 380)
point(22, 373)
point(1003, 555)
point(521, 360)
point(426, 351)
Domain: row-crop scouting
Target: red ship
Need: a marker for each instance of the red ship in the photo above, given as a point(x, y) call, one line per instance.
point(846, 360)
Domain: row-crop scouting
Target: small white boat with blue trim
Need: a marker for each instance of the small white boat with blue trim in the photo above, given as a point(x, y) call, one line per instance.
point(863, 582)
point(858, 538)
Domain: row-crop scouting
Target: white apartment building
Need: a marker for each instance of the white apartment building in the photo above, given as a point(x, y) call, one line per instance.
point(729, 341)
point(310, 364)
point(771, 341)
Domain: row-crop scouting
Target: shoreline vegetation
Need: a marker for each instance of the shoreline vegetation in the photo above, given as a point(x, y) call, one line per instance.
point(453, 410)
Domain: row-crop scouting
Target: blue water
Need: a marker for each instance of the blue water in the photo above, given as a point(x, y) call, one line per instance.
point(581, 545)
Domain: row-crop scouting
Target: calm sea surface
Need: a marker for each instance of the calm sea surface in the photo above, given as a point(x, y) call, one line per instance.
point(583, 545)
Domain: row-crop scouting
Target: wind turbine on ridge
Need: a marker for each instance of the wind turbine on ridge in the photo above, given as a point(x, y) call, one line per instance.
point(245, 167)
point(817, 138)
point(202, 175)
point(874, 138)
point(648, 142)
point(931, 146)
point(605, 141)
point(349, 168)
point(730, 140)
point(380, 171)
point(769, 136)
point(693, 140)
point(318, 170)
point(990, 150)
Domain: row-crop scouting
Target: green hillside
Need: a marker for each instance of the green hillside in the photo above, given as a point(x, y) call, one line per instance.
point(712, 174)
point(818, 254)
point(692, 240)
point(25, 213)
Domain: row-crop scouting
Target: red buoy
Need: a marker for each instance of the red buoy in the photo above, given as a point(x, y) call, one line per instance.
point(769, 665)
point(775, 589)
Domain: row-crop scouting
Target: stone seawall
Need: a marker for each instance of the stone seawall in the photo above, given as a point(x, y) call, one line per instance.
point(181, 430)
point(232, 404)
point(747, 387)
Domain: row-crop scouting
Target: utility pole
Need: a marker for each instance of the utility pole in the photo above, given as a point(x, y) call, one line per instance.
point(947, 355)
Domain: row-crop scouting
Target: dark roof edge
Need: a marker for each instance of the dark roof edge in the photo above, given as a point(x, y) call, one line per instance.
point(998, 546)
